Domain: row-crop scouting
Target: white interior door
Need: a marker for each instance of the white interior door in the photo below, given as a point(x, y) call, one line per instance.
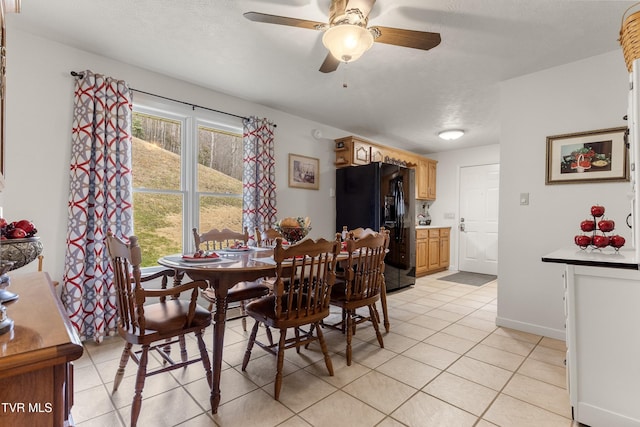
point(479, 190)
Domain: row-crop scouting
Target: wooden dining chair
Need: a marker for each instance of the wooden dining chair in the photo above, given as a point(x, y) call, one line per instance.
point(362, 285)
point(241, 292)
point(215, 239)
point(167, 277)
point(360, 232)
point(267, 237)
point(305, 273)
point(149, 324)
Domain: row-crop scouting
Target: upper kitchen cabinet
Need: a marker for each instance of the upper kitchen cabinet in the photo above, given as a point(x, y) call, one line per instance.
point(377, 154)
point(426, 179)
point(352, 151)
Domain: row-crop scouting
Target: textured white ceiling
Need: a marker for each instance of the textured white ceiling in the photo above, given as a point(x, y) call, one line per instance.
point(396, 96)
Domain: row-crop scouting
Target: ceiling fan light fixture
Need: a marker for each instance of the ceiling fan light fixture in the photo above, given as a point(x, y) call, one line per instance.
point(451, 134)
point(347, 42)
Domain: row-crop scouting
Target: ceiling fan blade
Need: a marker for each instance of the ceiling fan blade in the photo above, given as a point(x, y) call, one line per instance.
point(407, 38)
point(283, 20)
point(330, 64)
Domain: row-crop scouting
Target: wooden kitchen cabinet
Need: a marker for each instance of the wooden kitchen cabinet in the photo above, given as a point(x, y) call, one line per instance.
point(36, 373)
point(352, 151)
point(432, 250)
point(344, 154)
point(377, 154)
point(431, 180)
point(445, 248)
point(433, 243)
point(426, 179)
point(422, 252)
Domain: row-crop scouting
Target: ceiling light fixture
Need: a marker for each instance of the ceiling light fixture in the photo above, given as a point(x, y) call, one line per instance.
point(450, 135)
point(347, 42)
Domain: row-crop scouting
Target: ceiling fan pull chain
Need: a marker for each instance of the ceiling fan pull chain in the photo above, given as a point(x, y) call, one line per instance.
point(344, 80)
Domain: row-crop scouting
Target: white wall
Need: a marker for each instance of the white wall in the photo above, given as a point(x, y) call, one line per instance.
point(448, 187)
point(38, 138)
point(581, 96)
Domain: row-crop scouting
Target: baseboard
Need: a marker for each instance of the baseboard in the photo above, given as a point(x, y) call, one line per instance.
point(559, 334)
point(596, 416)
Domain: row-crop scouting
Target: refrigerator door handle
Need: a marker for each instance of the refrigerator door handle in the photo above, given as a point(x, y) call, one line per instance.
point(399, 210)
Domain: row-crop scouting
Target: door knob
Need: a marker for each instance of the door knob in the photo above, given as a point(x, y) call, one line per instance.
point(461, 226)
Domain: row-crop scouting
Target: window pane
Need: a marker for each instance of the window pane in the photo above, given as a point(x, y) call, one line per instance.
point(219, 179)
point(219, 161)
point(157, 222)
point(156, 151)
point(161, 198)
point(220, 212)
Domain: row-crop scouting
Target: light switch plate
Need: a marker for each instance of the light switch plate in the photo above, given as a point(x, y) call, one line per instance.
point(524, 199)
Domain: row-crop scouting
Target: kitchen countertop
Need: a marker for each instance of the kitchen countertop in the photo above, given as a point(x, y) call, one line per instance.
point(625, 258)
point(422, 227)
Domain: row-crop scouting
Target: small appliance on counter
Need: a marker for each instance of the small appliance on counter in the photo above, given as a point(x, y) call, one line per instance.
point(424, 218)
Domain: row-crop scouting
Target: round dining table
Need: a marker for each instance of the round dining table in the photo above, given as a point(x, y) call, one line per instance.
point(222, 273)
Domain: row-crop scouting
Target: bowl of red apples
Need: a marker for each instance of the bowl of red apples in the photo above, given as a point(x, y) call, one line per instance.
point(18, 242)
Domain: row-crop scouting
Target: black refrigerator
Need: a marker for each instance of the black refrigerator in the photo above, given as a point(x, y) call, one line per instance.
point(381, 194)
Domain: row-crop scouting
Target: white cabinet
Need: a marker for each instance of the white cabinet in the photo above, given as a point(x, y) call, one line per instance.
point(603, 341)
point(633, 122)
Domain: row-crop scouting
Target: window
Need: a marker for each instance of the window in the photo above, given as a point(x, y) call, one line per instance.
point(187, 172)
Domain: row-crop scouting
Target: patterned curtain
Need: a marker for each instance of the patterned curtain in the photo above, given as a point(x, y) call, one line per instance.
point(259, 177)
point(100, 198)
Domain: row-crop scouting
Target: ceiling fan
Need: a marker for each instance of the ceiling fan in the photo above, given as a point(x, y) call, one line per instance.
point(347, 37)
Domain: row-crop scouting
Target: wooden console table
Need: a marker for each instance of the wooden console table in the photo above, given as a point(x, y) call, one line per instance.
point(36, 374)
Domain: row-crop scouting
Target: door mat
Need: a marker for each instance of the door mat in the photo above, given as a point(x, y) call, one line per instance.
point(468, 278)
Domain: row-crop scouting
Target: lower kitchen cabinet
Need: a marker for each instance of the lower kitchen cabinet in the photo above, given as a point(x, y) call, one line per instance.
point(432, 250)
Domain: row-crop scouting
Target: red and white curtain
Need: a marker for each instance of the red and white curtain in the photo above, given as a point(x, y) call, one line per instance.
point(259, 180)
point(100, 198)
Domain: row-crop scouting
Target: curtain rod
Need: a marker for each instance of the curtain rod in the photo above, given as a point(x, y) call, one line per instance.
point(194, 106)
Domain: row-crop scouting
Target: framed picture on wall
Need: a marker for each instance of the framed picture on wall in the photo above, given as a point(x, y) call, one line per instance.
point(304, 172)
point(593, 156)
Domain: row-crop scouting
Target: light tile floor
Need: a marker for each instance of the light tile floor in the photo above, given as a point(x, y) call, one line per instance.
point(445, 363)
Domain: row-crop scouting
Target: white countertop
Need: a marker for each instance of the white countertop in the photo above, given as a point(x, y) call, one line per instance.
point(422, 227)
point(625, 258)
